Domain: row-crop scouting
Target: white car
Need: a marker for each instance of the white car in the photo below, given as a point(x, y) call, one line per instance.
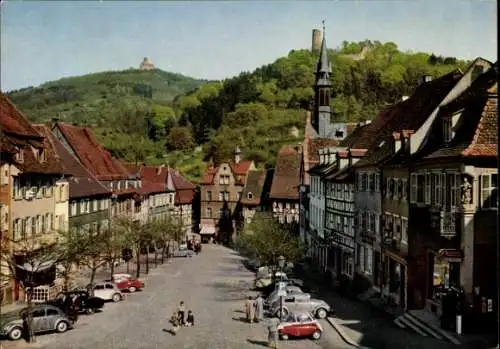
point(107, 291)
point(267, 280)
point(290, 290)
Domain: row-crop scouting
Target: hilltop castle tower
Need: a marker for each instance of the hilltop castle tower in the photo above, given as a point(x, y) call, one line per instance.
point(316, 40)
point(146, 64)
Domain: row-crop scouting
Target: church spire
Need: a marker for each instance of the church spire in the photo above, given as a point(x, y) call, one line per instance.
point(321, 119)
point(324, 67)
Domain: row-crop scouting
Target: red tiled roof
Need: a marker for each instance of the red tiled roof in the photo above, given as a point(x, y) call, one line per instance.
point(92, 155)
point(18, 135)
point(286, 180)
point(184, 190)
point(314, 146)
point(485, 138)
point(81, 182)
point(12, 121)
point(240, 169)
point(254, 185)
point(405, 115)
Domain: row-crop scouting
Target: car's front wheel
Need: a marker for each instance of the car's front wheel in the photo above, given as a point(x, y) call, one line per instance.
point(284, 337)
point(90, 311)
point(116, 297)
point(62, 327)
point(132, 289)
point(321, 313)
point(16, 333)
point(316, 335)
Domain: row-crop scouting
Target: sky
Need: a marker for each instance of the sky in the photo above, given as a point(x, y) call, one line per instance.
point(47, 40)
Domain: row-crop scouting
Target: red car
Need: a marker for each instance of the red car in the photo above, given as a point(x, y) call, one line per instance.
point(300, 325)
point(126, 282)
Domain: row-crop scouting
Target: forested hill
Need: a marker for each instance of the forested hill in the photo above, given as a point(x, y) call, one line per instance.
point(258, 110)
point(155, 116)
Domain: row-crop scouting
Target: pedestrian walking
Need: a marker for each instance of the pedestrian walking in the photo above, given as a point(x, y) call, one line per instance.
point(175, 322)
point(190, 319)
point(181, 312)
point(250, 309)
point(272, 335)
point(259, 308)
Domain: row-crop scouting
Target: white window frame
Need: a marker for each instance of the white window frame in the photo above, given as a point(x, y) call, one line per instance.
point(447, 124)
point(404, 189)
point(414, 188)
point(455, 195)
point(377, 182)
point(490, 191)
point(437, 188)
point(428, 188)
point(404, 230)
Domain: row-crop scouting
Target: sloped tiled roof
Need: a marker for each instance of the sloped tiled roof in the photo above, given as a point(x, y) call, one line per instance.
point(81, 182)
point(91, 154)
point(408, 115)
point(286, 180)
point(254, 185)
point(18, 135)
point(316, 144)
point(476, 134)
point(156, 178)
point(239, 169)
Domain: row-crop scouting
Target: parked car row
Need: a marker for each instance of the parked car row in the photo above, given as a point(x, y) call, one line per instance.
point(54, 315)
point(284, 298)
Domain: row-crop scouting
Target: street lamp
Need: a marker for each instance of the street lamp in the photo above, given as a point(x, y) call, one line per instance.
point(281, 264)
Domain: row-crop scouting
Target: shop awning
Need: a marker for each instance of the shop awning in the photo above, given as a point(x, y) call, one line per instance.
point(37, 266)
point(207, 230)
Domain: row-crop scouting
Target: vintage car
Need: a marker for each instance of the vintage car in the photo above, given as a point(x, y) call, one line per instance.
point(301, 303)
point(267, 279)
point(85, 302)
point(107, 291)
point(45, 318)
point(300, 325)
point(125, 282)
point(274, 296)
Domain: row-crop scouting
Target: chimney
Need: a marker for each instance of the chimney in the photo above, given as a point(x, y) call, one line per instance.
point(426, 78)
point(237, 155)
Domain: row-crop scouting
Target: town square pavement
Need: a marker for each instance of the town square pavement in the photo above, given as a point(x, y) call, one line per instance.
point(213, 284)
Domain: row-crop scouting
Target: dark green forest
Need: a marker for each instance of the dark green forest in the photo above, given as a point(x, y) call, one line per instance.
point(157, 117)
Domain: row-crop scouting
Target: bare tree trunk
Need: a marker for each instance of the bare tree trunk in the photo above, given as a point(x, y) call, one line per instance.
point(30, 335)
point(93, 271)
point(156, 255)
point(138, 263)
point(112, 267)
point(147, 259)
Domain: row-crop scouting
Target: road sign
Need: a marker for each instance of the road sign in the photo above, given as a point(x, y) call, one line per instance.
point(281, 293)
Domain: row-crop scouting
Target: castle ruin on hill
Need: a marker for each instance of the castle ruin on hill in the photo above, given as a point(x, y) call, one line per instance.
point(146, 64)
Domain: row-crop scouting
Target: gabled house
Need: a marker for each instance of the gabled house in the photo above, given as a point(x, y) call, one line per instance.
point(221, 189)
point(82, 144)
point(31, 174)
point(89, 200)
point(453, 201)
point(254, 196)
point(284, 194)
point(179, 193)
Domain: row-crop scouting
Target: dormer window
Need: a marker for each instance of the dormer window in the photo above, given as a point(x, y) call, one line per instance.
point(447, 130)
point(42, 155)
point(19, 155)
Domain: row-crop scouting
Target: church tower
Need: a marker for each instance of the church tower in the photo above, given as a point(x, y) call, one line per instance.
point(322, 92)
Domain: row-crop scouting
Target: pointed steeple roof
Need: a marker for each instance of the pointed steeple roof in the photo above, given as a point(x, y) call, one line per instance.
point(324, 62)
point(324, 67)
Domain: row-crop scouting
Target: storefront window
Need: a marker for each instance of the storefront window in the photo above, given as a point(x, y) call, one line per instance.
point(445, 274)
point(347, 264)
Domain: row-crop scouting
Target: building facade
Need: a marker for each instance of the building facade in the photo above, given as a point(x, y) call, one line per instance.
point(253, 197)
point(33, 172)
point(81, 143)
point(221, 190)
point(284, 194)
